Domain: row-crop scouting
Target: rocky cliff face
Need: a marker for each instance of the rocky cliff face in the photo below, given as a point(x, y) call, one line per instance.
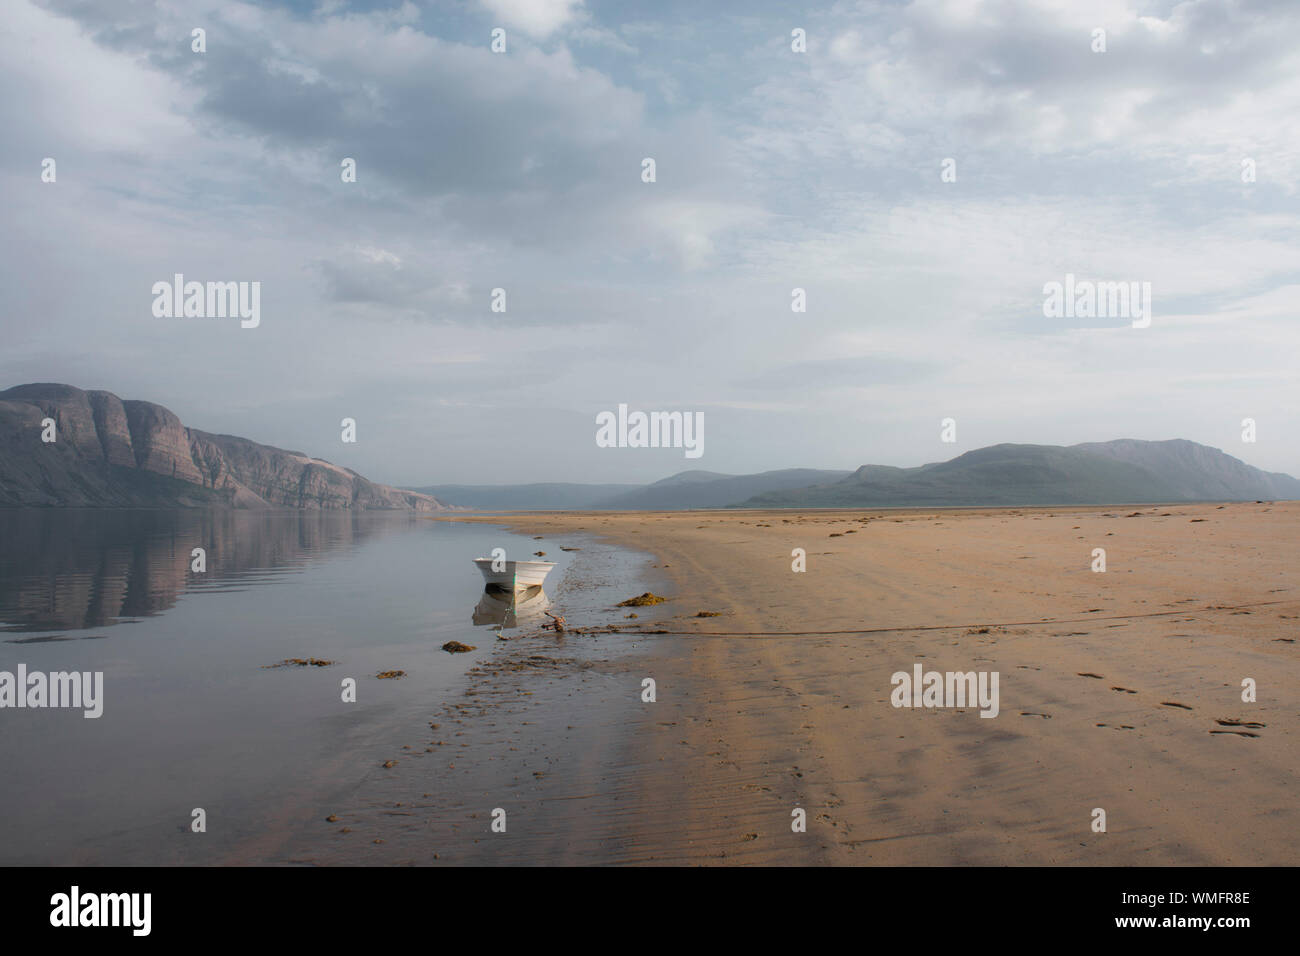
point(112, 428)
point(111, 453)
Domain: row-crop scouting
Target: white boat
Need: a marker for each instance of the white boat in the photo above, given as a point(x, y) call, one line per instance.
point(514, 575)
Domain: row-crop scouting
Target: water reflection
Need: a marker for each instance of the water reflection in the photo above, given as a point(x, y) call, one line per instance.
point(78, 569)
point(506, 609)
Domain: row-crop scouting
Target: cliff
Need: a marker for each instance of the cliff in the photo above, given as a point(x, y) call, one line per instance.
point(114, 453)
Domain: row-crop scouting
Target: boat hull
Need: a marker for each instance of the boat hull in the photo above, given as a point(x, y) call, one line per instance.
point(514, 576)
point(512, 609)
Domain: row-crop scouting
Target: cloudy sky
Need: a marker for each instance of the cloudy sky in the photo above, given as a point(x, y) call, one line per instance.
point(775, 169)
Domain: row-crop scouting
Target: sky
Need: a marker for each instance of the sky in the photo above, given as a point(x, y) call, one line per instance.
point(920, 169)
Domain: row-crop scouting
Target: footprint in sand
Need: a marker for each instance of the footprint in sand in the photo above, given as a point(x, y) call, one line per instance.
point(1090, 674)
point(1124, 690)
point(1233, 722)
point(1239, 733)
point(1030, 713)
point(1173, 703)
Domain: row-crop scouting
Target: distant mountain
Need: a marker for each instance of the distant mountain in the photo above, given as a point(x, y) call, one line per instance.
point(1115, 472)
point(706, 489)
point(1198, 471)
point(685, 490)
point(546, 496)
point(694, 477)
point(111, 453)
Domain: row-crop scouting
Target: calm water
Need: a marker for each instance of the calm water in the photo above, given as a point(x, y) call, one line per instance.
point(192, 717)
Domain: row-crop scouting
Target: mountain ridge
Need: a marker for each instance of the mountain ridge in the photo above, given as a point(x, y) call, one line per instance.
point(1121, 471)
point(113, 452)
point(687, 489)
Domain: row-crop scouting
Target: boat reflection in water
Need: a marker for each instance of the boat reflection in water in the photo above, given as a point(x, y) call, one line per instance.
point(502, 607)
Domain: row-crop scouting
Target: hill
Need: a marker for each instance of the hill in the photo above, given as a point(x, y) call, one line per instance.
point(1115, 472)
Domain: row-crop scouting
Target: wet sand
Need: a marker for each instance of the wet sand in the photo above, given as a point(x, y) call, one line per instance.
point(1119, 690)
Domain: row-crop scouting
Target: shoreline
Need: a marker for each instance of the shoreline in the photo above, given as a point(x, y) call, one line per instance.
point(538, 726)
point(1120, 690)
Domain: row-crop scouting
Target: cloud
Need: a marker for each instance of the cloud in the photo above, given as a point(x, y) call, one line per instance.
point(774, 170)
point(825, 374)
point(1017, 81)
point(538, 18)
point(596, 36)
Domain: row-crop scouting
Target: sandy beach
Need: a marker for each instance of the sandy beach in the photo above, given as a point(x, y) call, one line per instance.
point(1119, 690)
